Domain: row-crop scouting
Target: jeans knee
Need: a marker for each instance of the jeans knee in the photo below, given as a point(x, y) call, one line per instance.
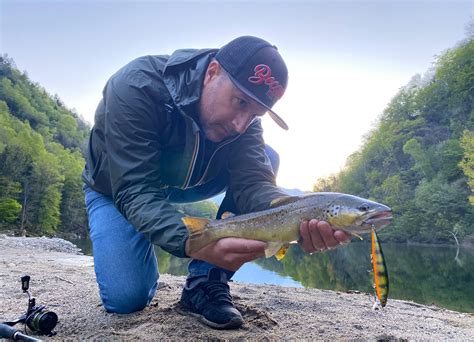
point(128, 300)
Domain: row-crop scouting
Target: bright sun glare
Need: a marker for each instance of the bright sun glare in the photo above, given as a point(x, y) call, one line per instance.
point(329, 109)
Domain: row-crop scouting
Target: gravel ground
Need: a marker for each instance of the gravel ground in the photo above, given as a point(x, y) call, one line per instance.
point(64, 280)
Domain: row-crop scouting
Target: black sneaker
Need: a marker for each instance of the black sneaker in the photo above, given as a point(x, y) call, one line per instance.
point(209, 300)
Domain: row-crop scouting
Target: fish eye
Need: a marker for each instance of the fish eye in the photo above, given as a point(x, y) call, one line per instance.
point(364, 207)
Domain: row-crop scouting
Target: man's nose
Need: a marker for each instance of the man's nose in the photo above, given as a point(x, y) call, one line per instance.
point(241, 122)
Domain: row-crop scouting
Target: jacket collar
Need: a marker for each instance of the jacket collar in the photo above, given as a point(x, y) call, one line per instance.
point(184, 74)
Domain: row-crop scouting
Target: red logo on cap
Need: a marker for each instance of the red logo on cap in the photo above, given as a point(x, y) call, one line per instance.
point(263, 75)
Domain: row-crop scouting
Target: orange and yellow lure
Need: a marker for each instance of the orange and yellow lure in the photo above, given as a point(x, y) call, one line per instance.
point(380, 272)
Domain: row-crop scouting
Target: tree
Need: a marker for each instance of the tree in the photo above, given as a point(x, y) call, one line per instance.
point(467, 163)
point(422, 158)
point(9, 210)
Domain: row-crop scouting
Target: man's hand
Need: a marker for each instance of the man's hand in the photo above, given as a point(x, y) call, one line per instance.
point(230, 253)
point(319, 236)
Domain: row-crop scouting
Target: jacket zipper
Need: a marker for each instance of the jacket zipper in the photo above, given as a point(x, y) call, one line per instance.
point(212, 156)
point(193, 162)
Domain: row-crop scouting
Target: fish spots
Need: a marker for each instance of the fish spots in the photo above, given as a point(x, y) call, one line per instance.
point(332, 211)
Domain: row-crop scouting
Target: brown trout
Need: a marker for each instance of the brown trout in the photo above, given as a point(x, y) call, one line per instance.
point(279, 225)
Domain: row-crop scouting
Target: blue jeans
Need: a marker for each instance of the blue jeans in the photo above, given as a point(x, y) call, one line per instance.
point(124, 260)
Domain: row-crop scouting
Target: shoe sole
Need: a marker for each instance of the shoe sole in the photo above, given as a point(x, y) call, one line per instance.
point(234, 323)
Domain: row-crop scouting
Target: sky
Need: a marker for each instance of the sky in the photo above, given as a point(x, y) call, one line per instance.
point(346, 59)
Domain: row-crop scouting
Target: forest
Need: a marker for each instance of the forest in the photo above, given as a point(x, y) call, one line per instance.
point(418, 158)
point(41, 158)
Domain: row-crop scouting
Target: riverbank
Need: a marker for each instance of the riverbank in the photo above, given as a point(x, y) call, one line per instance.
point(64, 280)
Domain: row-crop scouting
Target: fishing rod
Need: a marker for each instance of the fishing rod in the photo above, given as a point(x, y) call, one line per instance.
point(7, 331)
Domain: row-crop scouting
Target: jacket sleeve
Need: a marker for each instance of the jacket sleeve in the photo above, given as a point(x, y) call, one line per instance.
point(132, 145)
point(251, 176)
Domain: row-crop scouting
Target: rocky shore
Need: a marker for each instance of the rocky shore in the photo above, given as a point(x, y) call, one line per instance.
point(64, 280)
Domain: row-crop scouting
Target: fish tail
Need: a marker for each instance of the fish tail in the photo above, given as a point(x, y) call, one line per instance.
point(195, 225)
point(199, 235)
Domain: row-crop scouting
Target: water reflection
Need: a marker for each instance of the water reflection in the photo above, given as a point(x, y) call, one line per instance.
point(424, 274)
point(170, 264)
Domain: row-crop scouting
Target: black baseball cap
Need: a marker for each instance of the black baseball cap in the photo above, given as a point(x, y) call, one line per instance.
point(257, 69)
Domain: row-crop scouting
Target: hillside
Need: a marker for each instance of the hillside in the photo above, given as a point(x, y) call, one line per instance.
point(40, 158)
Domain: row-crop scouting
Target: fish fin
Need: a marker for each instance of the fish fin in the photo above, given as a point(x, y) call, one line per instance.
point(356, 235)
point(227, 214)
point(199, 234)
point(283, 200)
point(277, 249)
point(282, 252)
point(195, 224)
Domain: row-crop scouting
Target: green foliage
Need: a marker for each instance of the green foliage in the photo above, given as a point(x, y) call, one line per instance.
point(419, 158)
point(9, 210)
point(72, 208)
point(206, 209)
point(45, 193)
point(46, 114)
point(467, 164)
point(449, 153)
point(444, 205)
point(40, 158)
point(20, 104)
point(422, 158)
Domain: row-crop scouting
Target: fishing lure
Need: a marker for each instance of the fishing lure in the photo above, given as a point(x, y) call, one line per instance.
point(380, 272)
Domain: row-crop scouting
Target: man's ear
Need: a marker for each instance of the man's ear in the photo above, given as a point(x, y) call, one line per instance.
point(213, 70)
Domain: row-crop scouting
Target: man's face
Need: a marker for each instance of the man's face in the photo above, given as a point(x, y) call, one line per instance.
point(224, 110)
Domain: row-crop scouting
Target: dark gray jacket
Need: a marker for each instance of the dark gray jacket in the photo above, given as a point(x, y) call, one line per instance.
point(146, 140)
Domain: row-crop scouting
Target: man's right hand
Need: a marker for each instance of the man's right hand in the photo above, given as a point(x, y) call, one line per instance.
point(230, 253)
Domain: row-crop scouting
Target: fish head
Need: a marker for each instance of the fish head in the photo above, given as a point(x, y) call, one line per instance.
point(356, 214)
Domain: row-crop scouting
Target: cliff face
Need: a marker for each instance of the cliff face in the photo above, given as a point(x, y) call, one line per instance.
point(65, 282)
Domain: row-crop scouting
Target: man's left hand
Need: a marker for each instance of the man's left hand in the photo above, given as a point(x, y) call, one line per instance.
point(319, 236)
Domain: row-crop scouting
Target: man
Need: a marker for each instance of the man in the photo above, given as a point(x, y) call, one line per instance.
point(183, 128)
